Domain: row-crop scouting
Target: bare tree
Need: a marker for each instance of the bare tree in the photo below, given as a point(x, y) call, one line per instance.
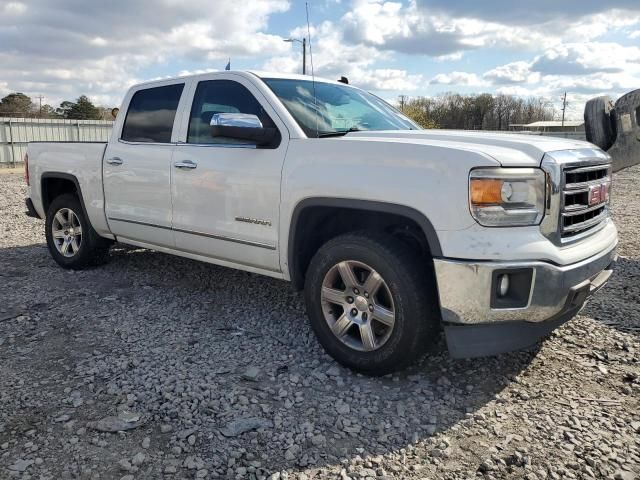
point(475, 112)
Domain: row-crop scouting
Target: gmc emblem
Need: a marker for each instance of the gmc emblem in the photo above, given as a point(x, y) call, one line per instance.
point(598, 193)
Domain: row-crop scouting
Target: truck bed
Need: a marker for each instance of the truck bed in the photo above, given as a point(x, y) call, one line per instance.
point(81, 162)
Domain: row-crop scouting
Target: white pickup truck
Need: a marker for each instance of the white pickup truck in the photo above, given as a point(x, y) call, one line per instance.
point(395, 233)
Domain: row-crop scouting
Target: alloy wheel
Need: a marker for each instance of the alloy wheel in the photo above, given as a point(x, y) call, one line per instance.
point(66, 232)
point(358, 305)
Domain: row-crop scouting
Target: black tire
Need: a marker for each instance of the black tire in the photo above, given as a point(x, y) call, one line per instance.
point(93, 249)
point(410, 284)
point(599, 122)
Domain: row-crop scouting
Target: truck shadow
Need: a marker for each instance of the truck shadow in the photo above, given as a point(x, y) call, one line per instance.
point(209, 324)
point(618, 303)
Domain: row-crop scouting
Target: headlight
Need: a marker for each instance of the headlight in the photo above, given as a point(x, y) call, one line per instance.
point(503, 197)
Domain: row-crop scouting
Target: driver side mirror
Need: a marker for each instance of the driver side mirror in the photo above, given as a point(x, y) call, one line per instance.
point(242, 126)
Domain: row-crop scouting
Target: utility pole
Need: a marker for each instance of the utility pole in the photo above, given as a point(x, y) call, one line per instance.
point(564, 106)
point(40, 97)
point(304, 51)
point(402, 100)
point(304, 56)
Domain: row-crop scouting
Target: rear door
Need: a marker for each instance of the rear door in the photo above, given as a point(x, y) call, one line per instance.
point(226, 206)
point(137, 166)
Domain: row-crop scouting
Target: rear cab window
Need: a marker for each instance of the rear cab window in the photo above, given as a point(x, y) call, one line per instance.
point(151, 114)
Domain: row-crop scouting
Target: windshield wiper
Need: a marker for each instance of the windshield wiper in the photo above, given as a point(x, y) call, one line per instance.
point(340, 133)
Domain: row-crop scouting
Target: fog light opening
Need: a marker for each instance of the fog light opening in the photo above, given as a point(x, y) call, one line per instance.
point(511, 288)
point(503, 285)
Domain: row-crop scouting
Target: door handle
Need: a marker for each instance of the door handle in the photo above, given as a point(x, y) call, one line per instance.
point(114, 161)
point(185, 164)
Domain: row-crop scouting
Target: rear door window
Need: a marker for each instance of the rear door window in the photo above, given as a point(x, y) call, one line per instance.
point(151, 114)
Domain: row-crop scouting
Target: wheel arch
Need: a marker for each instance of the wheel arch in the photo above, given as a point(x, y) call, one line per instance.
point(53, 184)
point(297, 262)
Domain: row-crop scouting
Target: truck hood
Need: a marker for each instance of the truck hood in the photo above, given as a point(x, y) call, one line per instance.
point(511, 150)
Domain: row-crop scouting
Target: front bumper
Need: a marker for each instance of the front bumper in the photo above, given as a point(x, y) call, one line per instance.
point(475, 325)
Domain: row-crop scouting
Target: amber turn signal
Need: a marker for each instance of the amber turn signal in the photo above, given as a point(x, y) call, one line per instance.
point(486, 191)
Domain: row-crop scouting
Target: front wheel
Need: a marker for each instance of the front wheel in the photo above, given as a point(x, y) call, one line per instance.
point(72, 241)
point(371, 304)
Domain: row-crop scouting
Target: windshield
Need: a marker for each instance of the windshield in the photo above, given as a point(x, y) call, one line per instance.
point(340, 108)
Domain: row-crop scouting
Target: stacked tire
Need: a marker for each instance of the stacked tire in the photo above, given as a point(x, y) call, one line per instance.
point(600, 122)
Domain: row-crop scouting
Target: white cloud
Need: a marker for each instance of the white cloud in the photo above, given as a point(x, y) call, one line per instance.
point(443, 28)
point(334, 57)
point(60, 50)
point(98, 42)
point(407, 29)
point(14, 8)
point(557, 43)
point(584, 70)
point(586, 58)
point(515, 72)
point(388, 79)
point(533, 12)
point(458, 78)
point(285, 64)
point(452, 57)
point(184, 73)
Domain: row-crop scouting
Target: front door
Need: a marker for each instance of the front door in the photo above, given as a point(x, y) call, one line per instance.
point(226, 193)
point(137, 167)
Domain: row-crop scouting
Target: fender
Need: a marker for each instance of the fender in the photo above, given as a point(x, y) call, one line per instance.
point(62, 176)
point(369, 205)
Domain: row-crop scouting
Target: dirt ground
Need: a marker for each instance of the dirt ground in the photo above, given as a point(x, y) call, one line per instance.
point(215, 373)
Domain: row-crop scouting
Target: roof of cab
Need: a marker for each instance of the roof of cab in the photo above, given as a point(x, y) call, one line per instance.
point(290, 76)
point(259, 74)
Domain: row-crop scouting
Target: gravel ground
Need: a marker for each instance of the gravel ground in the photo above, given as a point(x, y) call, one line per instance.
point(214, 373)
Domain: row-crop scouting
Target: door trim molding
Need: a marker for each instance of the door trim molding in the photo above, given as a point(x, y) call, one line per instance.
point(247, 267)
point(266, 246)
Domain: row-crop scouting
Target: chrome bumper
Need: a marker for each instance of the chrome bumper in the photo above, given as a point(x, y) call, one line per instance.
point(466, 289)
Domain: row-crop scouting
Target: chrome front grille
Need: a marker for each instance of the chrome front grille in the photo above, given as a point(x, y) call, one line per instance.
point(585, 199)
point(573, 212)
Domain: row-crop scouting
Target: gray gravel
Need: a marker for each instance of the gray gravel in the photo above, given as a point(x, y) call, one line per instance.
point(215, 373)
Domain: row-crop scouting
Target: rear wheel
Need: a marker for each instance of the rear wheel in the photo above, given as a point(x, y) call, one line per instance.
point(72, 241)
point(370, 303)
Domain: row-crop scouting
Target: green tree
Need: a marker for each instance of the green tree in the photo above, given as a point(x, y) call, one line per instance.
point(16, 104)
point(64, 108)
point(48, 111)
point(83, 109)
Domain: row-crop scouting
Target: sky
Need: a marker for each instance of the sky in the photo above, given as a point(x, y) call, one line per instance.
point(61, 49)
